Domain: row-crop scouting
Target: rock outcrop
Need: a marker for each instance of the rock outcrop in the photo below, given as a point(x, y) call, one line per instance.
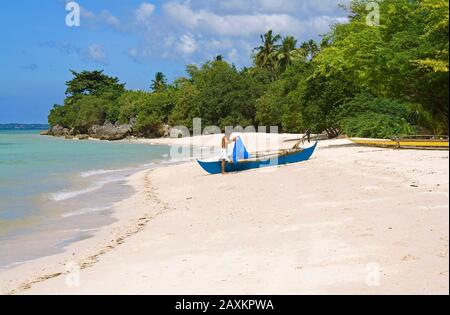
point(110, 132)
point(177, 133)
point(164, 131)
point(58, 131)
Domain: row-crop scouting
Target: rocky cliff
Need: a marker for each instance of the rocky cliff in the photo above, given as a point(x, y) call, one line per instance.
point(108, 131)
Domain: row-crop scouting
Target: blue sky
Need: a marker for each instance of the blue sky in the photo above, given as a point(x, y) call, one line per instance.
point(134, 39)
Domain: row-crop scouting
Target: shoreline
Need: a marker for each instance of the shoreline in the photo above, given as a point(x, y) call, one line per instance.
point(155, 195)
point(36, 267)
point(50, 199)
point(85, 253)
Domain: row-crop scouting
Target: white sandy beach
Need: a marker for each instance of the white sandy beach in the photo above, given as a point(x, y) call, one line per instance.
point(352, 220)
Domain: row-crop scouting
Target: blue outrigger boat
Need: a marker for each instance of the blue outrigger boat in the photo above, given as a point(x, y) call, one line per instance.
point(285, 157)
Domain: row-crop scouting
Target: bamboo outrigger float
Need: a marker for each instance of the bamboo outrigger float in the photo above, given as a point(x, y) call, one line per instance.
point(413, 142)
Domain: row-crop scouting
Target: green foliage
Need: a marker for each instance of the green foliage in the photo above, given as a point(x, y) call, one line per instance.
point(266, 54)
point(159, 83)
point(277, 58)
point(310, 49)
point(130, 104)
point(372, 117)
point(152, 114)
point(92, 111)
point(375, 125)
point(62, 116)
point(148, 109)
point(93, 83)
point(281, 104)
point(91, 100)
point(270, 107)
point(225, 95)
point(288, 53)
point(405, 58)
point(81, 114)
point(187, 103)
point(363, 80)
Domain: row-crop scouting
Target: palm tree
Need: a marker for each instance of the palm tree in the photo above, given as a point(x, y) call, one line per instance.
point(266, 54)
point(288, 53)
point(218, 58)
point(310, 49)
point(159, 83)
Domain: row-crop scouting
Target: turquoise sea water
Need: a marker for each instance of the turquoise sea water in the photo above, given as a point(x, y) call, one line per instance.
point(54, 191)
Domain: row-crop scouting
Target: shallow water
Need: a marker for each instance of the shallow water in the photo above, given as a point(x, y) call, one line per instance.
point(55, 191)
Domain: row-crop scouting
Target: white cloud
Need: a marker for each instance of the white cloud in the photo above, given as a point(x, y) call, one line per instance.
point(96, 54)
point(140, 54)
point(199, 30)
point(103, 18)
point(187, 44)
point(233, 56)
point(93, 53)
point(133, 53)
point(230, 25)
point(110, 19)
point(300, 8)
point(144, 12)
point(86, 13)
point(292, 7)
point(64, 48)
point(234, 6)
point(321, 24)
point(280, 6)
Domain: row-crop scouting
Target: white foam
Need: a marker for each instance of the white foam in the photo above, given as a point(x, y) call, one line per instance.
point(84, 211)
point(12, 265)
point(65, 195)
point(102, 172)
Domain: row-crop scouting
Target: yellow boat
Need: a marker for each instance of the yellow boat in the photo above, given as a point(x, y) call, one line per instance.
point(414, 142)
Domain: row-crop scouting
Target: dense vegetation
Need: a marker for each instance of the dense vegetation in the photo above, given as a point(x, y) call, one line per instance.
point(370, 81)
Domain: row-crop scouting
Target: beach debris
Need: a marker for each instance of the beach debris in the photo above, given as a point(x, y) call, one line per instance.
point(409, 257)
point(82, 137)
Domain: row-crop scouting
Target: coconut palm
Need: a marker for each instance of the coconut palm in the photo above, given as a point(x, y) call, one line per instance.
point(310, 49)
point(218, 58)
point(266, 54)
point(288, 53)
point(159, 83)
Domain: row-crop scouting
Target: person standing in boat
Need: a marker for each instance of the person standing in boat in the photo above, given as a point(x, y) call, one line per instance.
point(226, 140)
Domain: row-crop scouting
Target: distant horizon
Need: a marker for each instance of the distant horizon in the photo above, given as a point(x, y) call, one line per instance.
point(24, 123)
point(27, 124)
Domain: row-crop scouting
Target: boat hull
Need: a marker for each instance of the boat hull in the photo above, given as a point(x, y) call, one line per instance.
point(215, 167)
point(403, 143)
